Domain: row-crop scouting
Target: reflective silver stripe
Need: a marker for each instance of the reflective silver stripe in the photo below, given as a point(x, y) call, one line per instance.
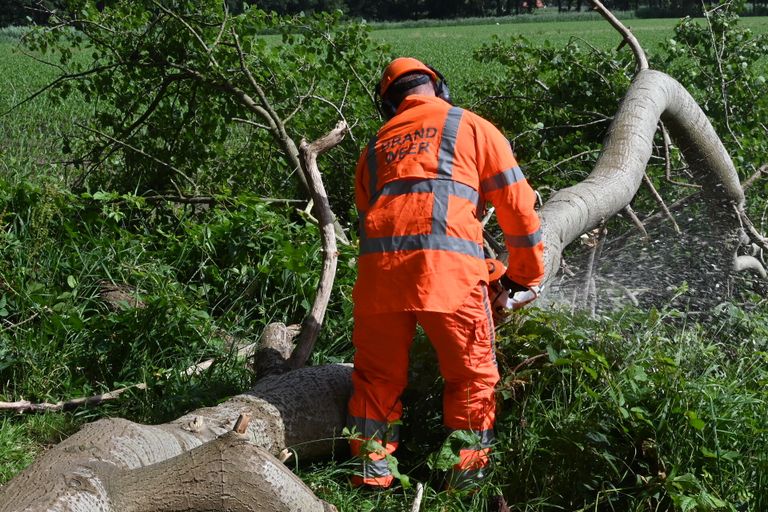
point(372, 429)
point(445, 160)
point(373, 170)
point(502, 180)
point(361, 225)
point(376, 468)
point(454, 188)
point(487, 438)
point(524, 240)
point(421, 242)
point(448, 142)
point(489, 316)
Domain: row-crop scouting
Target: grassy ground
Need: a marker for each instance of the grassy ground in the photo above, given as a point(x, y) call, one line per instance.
point(27, 130)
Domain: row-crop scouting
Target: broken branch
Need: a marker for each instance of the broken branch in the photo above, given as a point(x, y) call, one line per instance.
point(629, 38)
point(313, 321)
point(27, 406)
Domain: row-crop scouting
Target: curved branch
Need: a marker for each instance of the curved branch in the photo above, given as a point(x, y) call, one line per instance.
point(314, 320)
point(619, 170)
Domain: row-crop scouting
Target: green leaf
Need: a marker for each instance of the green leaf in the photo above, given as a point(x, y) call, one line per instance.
point(695, 421)
point(71, 281)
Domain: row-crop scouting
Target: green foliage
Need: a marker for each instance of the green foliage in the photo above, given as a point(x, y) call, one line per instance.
point(175, 95)
point(635, 410)
point(723, 65)
point(197, 274)
point(555, 103)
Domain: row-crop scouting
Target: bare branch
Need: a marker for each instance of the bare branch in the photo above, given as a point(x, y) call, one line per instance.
point(338, 111)
point(528, 361)
point(10, 325)
point(668, 160)
point(661, 202)
point(252, 123)
point(597, 240)
point(313, 321)
point(182, 199)
point(754, 235)
point(26, 406)
point(636, 220)
point(574, 157)
point(628, 37)
point(300, 102)
point(222, 28)
point(419, 496)
point(757, 175)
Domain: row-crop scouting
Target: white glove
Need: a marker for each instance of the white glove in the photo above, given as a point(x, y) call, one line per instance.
point(503, 304)
point(520, 299)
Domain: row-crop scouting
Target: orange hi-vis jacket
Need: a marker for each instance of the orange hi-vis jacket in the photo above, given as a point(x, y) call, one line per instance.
point(421, 186)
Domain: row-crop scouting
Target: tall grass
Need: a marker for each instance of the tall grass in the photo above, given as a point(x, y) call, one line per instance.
point(631, 411)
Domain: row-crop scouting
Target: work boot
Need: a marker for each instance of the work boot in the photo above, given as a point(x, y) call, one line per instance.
point(497, 504)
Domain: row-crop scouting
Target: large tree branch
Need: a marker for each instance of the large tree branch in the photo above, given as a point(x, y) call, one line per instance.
point(619, 170)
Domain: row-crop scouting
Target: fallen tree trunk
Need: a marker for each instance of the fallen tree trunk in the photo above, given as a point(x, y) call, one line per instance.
point(192, 464)
point(115, 464)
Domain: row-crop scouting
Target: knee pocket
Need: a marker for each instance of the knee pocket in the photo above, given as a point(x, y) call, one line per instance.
point(479, 350)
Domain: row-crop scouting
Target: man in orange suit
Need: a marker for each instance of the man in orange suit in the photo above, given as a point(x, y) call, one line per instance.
point(421, 187)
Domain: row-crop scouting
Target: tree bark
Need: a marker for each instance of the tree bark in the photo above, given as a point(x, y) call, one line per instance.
point(106, 463)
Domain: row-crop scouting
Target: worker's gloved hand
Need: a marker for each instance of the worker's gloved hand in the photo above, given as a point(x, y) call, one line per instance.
point(512, 296)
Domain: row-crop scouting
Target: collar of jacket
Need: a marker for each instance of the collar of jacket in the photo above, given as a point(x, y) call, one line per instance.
point(414, 100)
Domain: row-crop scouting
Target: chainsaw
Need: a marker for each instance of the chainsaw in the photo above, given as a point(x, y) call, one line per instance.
point(505, 294)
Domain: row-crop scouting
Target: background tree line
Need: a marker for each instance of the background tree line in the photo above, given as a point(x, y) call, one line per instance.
point(22, 12)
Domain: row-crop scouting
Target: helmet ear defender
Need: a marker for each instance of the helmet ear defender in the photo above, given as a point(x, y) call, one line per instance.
point(388, 108)
point(441, 86)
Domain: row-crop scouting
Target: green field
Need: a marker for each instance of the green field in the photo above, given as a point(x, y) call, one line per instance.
point(450, 48)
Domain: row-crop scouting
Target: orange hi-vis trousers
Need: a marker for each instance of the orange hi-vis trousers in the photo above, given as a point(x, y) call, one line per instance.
point(464, 343)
